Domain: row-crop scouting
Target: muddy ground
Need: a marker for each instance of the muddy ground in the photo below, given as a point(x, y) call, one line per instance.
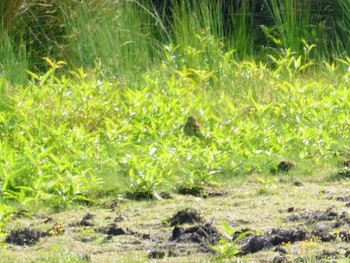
point(290, 219)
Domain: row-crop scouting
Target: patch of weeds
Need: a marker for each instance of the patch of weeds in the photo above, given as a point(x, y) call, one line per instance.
point(228, 246)
point(143, 182)
point(266, 185)
point(191, 184)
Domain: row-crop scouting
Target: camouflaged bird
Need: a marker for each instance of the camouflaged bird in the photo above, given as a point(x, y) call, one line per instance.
point(192, 128)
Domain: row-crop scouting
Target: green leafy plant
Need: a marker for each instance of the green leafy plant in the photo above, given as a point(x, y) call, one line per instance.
point(267, 185)
point(226, 247)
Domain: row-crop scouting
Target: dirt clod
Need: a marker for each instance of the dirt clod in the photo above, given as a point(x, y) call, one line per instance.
point(86, 221)
point(202, 234)
point(24, 237)
point(311, 217)
point(274, 238)
point(113, 230)
point(285, 166)
point(187, 215)
point(322, 232)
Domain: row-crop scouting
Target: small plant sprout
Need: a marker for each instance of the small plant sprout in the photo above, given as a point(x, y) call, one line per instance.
point(226, 247)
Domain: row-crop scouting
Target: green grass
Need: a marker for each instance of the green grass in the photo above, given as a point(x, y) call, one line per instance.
point(105, 116)
point(64, 136)
point(125, 38)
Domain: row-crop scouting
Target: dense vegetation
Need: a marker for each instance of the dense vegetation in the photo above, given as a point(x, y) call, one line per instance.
point(94, 95)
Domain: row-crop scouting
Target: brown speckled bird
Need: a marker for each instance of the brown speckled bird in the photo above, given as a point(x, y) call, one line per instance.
point(192, 128)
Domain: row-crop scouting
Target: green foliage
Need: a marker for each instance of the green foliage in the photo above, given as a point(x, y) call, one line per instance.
point(60, 133)
point(267, 185)
point(64, 130)
point(226, 247)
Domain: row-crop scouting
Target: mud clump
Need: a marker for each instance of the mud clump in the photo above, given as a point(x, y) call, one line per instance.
point(285, 166)
point(86, 221)
point(322, 232)
point(311, 217)
point(24, 237)
point(275, 238)
point(187, 215)
point(201, 234)
point(113, 230)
